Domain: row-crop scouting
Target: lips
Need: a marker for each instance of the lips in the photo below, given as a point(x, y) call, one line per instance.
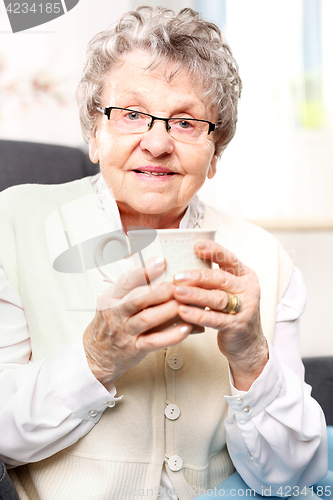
point(154, 171)
point(154, 174)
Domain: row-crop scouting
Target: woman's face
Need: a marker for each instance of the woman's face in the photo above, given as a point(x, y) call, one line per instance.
point(122, 155)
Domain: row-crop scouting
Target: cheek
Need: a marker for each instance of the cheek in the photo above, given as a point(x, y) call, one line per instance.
point(198, 161)
point(111, 152)
point(105, 143)
point(116, 150)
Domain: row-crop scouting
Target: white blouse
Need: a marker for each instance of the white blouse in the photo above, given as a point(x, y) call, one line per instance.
point(282, 414)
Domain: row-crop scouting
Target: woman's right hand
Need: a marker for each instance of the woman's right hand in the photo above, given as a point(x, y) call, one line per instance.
point(116, 339)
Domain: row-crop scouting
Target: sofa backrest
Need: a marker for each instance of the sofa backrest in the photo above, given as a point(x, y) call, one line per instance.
point(29, 162)
point(319, 374)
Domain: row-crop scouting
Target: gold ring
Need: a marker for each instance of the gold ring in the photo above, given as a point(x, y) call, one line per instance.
point(233, 305)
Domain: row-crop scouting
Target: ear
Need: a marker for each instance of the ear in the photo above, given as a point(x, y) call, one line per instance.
point(212, 167)
point(93, 149)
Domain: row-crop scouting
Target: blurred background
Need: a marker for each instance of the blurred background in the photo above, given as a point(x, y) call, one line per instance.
point(278, 170)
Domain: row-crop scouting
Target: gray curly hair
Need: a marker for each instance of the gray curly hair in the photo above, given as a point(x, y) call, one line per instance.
point(184, 39)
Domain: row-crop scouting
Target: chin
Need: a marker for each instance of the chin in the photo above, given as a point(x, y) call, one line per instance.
point(153, 205)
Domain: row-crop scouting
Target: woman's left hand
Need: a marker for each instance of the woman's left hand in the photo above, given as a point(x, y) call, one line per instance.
point(240, 337)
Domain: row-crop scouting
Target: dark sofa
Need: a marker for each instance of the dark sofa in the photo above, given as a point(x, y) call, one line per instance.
point(319, 374)
point(30, 163)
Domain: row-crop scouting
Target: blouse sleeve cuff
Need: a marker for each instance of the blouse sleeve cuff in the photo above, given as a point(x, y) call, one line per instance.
point(263, 391)
point(76, 385)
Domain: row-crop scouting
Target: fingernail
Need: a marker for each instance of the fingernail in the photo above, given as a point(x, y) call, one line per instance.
point(201, 245)
point(159, 262)
point(181, 290)
point(180, 277)
point(184, 309)
point(186, 329)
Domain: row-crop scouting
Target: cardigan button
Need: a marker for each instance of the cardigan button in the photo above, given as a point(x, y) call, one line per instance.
point(175, 361)
point(172, 412)
point(93, 413)
point(175, 463)
point(110, 404)
point(239, 401)
point(247, 410)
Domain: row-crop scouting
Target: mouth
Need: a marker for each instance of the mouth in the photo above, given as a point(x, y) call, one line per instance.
point(149, 173)
point(154, 171)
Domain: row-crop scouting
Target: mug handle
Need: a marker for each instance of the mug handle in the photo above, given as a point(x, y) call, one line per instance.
point(99, 250)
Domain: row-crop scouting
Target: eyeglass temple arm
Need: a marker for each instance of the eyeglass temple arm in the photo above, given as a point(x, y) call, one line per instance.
point(212, 127)
point(104, 111)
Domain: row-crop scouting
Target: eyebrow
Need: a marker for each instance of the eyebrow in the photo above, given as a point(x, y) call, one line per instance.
point(144, 95)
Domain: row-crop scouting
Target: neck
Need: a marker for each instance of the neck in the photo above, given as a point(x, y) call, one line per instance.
point(155, 221)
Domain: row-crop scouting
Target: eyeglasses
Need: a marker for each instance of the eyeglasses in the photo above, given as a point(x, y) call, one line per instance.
point(131, 121)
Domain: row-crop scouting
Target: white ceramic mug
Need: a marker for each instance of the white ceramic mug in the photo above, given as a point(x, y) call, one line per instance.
point(177, 246)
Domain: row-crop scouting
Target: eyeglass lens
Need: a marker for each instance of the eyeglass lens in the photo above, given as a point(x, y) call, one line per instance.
point(132, 122)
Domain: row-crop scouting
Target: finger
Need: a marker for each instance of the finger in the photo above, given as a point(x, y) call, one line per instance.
point(216, 300)
point(144, 297)
point(202, 317)
point(137, 276)
point(137, 299)
point(210, 279)
point(210, 250)
point(150, 318)
point(106, 299)
point(161, 340)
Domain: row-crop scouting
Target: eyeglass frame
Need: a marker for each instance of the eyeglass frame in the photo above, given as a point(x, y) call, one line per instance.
point(107, 112)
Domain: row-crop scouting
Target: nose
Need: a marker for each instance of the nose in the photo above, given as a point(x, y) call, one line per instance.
point(157, 140)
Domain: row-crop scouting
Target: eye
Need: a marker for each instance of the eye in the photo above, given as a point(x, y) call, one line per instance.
point(133, 115)
point(185, 124)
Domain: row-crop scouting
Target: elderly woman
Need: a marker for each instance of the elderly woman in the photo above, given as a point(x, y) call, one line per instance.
point(99, 404)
